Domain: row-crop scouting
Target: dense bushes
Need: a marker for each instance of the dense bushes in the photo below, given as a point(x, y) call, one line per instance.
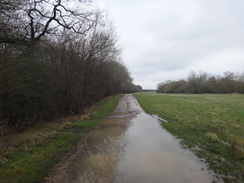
point(60, 74)
point(25, 89)
point(205, 83)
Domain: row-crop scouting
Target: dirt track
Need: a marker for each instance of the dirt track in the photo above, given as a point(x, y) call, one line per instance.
point(130, 146)
point(63, 171)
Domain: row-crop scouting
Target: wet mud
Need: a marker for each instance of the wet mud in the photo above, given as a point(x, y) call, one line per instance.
point(131, 146)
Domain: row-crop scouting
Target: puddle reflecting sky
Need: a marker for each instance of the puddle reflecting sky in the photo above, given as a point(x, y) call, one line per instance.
point(136, 149)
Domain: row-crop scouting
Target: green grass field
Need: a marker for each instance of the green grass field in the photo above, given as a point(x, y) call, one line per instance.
point(31, 159)
point(210, 125)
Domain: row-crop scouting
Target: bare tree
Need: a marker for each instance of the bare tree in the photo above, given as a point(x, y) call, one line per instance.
point(76, 63)
point(205, 83)
point(31, 20)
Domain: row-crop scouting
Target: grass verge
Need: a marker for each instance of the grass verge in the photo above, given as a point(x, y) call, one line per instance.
point(210, 125)
point(31, 159)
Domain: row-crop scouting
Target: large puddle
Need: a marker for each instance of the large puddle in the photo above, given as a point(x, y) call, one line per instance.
point(130, 146)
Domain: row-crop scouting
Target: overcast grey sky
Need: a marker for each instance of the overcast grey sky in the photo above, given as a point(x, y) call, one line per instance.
point(167, 39)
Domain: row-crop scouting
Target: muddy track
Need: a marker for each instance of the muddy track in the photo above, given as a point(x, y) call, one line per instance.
point(63, 171)
point(130, 146)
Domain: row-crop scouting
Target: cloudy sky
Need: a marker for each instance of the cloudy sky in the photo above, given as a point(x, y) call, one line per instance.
point(167, 39)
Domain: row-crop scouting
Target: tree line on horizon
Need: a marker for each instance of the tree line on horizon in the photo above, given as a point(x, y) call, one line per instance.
point(203, 82)
point(56, 59)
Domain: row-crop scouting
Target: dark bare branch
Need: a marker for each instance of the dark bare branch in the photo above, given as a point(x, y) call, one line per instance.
point(37, 18)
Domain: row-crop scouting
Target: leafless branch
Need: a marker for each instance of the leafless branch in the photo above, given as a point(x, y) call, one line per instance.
point(39, 17)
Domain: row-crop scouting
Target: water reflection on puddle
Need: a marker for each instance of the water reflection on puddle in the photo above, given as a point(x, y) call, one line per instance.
point(136, 149)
